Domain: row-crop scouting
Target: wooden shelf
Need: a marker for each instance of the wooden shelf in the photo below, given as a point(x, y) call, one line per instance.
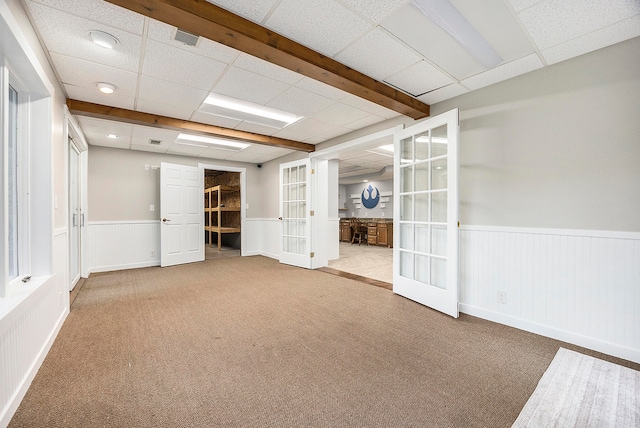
point(219, 201)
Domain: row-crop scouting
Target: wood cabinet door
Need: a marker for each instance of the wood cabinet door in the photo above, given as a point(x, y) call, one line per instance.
point(382, 235)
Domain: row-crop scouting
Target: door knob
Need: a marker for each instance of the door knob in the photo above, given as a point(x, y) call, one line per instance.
point(164, 220)
point(280, 218)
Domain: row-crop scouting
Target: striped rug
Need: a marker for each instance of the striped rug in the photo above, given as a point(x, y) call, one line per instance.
point(581, 391)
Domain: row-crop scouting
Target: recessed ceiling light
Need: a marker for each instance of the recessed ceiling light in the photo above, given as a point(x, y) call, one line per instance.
point(106, 88)
point(210, 142)
point(112, 136)
point(103, 39)
point(234, 108)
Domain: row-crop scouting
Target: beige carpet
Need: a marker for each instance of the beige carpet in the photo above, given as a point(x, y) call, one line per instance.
point(249, 342)
point(581, 391)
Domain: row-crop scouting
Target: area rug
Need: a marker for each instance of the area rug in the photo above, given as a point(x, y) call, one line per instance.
point(581, 391)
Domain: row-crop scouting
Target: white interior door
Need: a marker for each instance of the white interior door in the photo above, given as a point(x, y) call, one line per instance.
point(425, 252)
point(295, 242)
point(181, 214)
point(75, 215)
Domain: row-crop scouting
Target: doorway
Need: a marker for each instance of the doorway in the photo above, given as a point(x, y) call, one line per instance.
point(76, 216)
point(360, 163)
point(222, 211)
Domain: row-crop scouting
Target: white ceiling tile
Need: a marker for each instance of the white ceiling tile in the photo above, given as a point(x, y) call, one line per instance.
point(100, 139)
point(100, 11)
point(181, 149)
point(256, 128)
point(553, 22)
point(305, 128)
point(248, 86)
point(376, 10)
point(166, 34)
point(320, 88)
point(332, 133)
point(212, 153)
point(419, 78)
point(623, 30)
point(323, 25)
point(149, 148)
point(368, 106)
point(378, 55)
point(264, 149)
point(365, 121)
point(185, 98)
point(164, 109)
point(519, 5)
point(339, 114)
point(254, 10)
point(302, 102)
point(504, 72)
point(85, 74)
point(104, 127)
point(142, 134)
point(210, 119)
point(168, 63)
point(92, 95)
point(74, 40)
point(267, 69)
point(413, 28)
point(442, 94)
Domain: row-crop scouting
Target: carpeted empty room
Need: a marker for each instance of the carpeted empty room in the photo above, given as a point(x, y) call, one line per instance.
point(249, 342)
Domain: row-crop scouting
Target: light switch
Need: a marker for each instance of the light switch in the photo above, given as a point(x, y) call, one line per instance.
point(152, 207)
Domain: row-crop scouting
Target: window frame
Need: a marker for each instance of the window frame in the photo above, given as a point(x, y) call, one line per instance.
point(22, 178)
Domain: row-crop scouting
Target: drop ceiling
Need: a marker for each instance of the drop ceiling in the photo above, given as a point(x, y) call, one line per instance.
point(388, 40)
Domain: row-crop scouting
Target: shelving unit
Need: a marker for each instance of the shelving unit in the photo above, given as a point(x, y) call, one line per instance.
point(221, 211)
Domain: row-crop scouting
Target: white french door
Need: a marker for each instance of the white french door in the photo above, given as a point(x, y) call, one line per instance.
point(76, 217)
point(181, 214)
point(295, 236)
point(425, 254)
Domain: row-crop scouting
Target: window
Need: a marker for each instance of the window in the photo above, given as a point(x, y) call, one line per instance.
point(12, 188)
point(25, 180)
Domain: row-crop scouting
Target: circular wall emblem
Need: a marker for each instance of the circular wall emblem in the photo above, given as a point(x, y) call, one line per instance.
point(368, 199)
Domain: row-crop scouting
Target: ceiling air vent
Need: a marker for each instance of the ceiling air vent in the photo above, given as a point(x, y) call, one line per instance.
point(186, 37)
point(155, 142)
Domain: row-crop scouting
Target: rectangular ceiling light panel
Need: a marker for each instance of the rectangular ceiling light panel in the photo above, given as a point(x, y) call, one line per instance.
point(220, 105)
point(210, 142)
point(445, 15)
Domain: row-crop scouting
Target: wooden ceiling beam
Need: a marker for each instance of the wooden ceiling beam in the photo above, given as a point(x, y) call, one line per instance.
point(214, 23)
point(83, 108)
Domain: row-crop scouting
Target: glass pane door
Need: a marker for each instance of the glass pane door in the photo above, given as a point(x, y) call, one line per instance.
point(294, 213)
point(425, 180)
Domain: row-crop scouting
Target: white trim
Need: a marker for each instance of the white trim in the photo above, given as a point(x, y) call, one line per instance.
point(112, 268)
point(562, 232)
point(59, 231)
point(103, 222)
point(243, 197)
point(554, 333)
point(333, 151)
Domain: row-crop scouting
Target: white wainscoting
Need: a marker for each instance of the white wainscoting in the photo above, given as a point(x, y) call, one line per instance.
point(581, 287)
point(118, 245)
point(264, 234)
point(29, 327)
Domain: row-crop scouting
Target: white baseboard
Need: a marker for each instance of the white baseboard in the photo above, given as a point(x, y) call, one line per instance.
point(124, 266)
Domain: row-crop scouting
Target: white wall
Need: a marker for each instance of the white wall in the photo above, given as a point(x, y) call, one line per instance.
point(376, 212)
point(549, 200)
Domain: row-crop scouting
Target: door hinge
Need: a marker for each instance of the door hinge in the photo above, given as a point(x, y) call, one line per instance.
point(458, 225)
point(312, 254)
point(312, 213)
point(313, 171)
